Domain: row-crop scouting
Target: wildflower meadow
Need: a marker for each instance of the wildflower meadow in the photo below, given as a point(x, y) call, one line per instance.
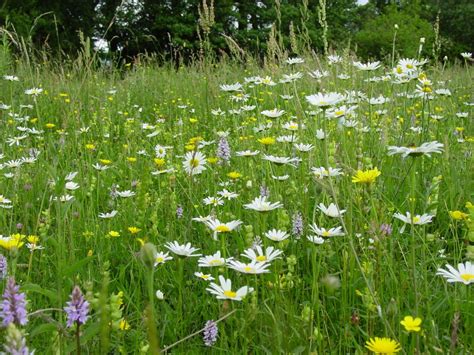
point(314, 205)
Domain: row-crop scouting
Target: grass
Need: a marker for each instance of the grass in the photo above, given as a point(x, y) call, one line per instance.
point(328, 298)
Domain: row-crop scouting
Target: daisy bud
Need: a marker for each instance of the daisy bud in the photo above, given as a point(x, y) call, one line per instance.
point(148, 255)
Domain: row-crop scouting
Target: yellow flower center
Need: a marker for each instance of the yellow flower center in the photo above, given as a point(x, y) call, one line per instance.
point(416, 219)
point(326, 234)
point(194, 163)
point(222, 228)
point(261, 258)
point(160, 259)
point(215, 262)
point(230, 294)
point(467, 277)
point(249, 269)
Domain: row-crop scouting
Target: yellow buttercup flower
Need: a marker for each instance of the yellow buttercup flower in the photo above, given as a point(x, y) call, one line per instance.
point(113, 234)
point(458, 215)
point(134, 230)
point(366, 176)
point(411, 324)
point(234, 175)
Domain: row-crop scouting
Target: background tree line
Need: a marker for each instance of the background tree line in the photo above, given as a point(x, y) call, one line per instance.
point(180, 27)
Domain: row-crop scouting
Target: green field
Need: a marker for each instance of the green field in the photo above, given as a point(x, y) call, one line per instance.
point(100, 169)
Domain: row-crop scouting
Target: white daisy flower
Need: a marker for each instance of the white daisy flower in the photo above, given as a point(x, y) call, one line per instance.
point(161, 258)
point(212, 260)
point(281, 160)
point(194, 163)
point(464, 273)
point(331, 211)
point(231, 87)
point(126, 193)
point(427, 148)
point(108, 215)
point(325, 100)
point(315, 239)
point(262, 256)
point(219, 227)
point(224, 290)
point(304, 147)
point(71, 185)
point(322, 172)
point(275, 113)
point(323, 232)
point(276, 235)
point(367, 66)
point(247, 153)
point(254, 267)
point(262, 205)
point(205, 277)
point(228, 194)
point(295, 60)
point(215, 201)
point(182, 249)
point(417, 220)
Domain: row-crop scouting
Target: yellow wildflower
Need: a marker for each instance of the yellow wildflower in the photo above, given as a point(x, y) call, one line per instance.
point(366, 176)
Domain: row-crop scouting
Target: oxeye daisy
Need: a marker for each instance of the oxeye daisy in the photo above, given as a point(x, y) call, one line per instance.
point(218, 227)
point(424, 149)
point(215, 201)
point(194, 163)
point(275, 113)
point(325, 100)
point(254, 267)
point(224, 291)
point(323, 232)
point(205, 277)
point(261, 204)
point(417, 219)
point(464, 273)
point(331, 211)
point(212, 260)
point(276, 235)
point(261, 256)
point(322, 172)
point(185, 250)
point(161, 258)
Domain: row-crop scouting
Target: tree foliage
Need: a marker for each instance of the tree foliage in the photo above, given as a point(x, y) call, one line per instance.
point(169, 27)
